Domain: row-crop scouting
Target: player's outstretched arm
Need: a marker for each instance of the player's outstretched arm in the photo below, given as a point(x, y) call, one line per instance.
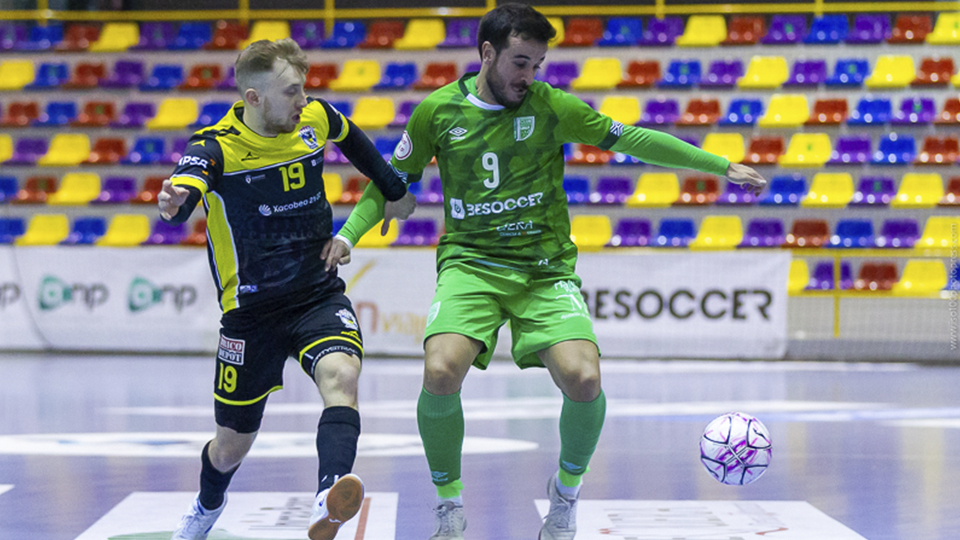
point(171, 198)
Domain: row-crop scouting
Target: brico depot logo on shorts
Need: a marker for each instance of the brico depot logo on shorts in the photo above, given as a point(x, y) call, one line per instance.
point(56, 293)
point(231, 350)
point(10, 294)
point(143, 295)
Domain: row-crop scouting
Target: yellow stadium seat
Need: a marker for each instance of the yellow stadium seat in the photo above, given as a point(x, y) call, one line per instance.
point(799, 276)
point(940, 232)
point(557, 24)
point(946, 31)
point(829, 190)
point(6, 147)
point(269, 30)
point(955, 80)
point(786, 110)
point(75, 189)
point(718, 232)
point(373, 239)
point(807, 150)
point(15, 74)
point(126, 230)
point(421, 34)
point(174, 113)
point(892, 72)
point(117, 37)
point(921, 277)
point(590, 233)
point(45, 230)
point(919, 190)
point(66, 149)
point(658, 190)
point(598, 74)
point(332, 187)
point(765, 72)
point(357, 76)
point(373, 112)
point(703, 31)
point(623, 109)
point(728, 145)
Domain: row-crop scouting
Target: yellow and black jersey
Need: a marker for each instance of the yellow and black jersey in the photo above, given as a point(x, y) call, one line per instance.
point(267, 213)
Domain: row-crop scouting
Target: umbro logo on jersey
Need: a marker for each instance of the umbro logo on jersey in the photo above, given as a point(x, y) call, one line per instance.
point(616, 128)
point(249, 156)
point(457, 134)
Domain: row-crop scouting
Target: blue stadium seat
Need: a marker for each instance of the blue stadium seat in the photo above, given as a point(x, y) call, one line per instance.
point(871, 111)
point(849, 72)
point(86, 231)
point(344, 107)
point(192, 36)
point(10, 229)
point(742, 112)
point(211, 113)
point(675, 232)
point(338, 224)
point(953, 284)
point(853, 233)
point(621, 32)
point(577, 189)
point(785, 190)
point(895, 149)
point(58, 113)
point(146, 151)
point(164, 77)
point(42, 38)
point(397, 76)
point(8, 188)
point(829, 29)
point(681, 74)
point(345, 35)
point(48, 76)
point(386, 146)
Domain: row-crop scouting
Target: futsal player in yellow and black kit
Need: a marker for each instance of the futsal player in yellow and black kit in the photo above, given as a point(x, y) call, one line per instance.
point(259, 175)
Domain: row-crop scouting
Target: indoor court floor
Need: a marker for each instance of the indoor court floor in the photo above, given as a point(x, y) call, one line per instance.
point(101, 447)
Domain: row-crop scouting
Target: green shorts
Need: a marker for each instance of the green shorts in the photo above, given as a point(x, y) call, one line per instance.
point(475, 300)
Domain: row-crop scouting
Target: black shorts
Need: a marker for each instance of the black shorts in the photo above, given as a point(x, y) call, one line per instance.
point(255, 346)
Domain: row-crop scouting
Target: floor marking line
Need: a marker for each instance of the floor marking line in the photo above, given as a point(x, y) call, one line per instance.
point(362, 520)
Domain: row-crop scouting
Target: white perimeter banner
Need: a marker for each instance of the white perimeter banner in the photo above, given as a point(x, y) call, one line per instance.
point(650, 304)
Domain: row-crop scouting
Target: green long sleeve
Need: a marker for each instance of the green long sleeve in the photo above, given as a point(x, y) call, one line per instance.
point(365, 215)
point(663, 149)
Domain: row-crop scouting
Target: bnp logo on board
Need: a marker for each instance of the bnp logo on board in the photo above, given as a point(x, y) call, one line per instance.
point(143, 295)
point(56, 293)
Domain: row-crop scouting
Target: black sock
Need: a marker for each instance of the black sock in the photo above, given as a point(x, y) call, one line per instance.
point(213, 483)
point(337, 435)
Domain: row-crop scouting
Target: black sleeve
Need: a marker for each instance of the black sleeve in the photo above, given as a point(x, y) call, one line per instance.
point(184, 213)
point(362, 153)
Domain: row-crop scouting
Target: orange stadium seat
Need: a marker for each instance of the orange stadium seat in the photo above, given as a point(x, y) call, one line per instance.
point(951, 196)
point(934, 72)
point(582, 32)
point(382, 34)
point(96, 114)
point(950, 113)
point(876, 277)
point(353, 190)
point(78, 37)
point(829, 112)
point(911, 28)
point(202, 77)
point(227, 35)
point(86, 75)
point(107, 151)
point(745, 30)
point(700, 112)
point(437, 74)
point(590, 155)
point(698, 191)
point(151, 188)
point(36, 190)
point(21, 114)
point(764, 151)
point(320, 75)
point(808, 233)
point(641, 74)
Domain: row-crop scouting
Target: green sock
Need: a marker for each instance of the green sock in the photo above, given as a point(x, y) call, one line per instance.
point(580, 425)
point(440, 419)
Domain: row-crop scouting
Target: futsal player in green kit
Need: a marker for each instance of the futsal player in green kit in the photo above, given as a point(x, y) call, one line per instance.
point(507, 254)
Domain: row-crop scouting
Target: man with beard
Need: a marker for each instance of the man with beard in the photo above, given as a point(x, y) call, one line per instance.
point(259, 172)
point(506, 255)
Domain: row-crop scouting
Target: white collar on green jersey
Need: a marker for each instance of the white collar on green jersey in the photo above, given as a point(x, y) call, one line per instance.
point(471, 89)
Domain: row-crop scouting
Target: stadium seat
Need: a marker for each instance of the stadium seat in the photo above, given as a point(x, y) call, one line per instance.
point(590, 232)
point(35, 190)
point(41, 38)
point(946, 31)
point(386, 146)
point(76, 189)
point(373, 239)
point(307, 34)
point(151, 188)
point(951, 196)
point(955, 80)
point(16, 74)
point(332, 187)
point(20, 114)
point(851, 149)
point(832, 111)
point(334, 156)
point(345, 35)
point(915, 110)
point(49, 76)
point(660, 111)
point(86, 75)
point(807, 73)
point(177, 149)
point(745, 30)
point(66, 149)
point(934, 72)
point(892, 72)
point(10, 33)
point(437, 74)
point(126, 230)
point(320, 75)
point(786, 29)
point(197, 236)
point(765, 72)
point(621, 32)
point(45, 230)
point(582, 32)
point(163, 78)
point(78, 37)
point(764, 150)
point(807, 150)
point(954, 281)
point(589, 155)
point(202, 77)
point(116, 37)
point(96, 114)
point(853, 233)
point(461, 34)
point(640, 74)
point(577, 189)
point(737, 195)
point(10, 229)
point(145, 151)
point(722, 74)
point(921, 278)
point(620, 159)
point(192, 36)
point(675, 232)
point(421, 34)
point(700, 112)
point(117, 190)
point(227, 36)
point(166, 234)
point(655, 190)
point(371, 113)
point(718, 232)
point(939, 151)
point(418, 233)
point(785, 190)
point(134, 115)
point(268, 30)
point(397, 76)
point(910, 28)
point(598, 74)
point(211, 113)
point(869, 29)
point(698, 191)
point(876, 277)
point(155, 36)
point(728, 145)
point(611, 190)
point(871, 111)
point(107, 151)
point(919, 190)
point(798, 278)
point(559, 74)
point(631, 232)
point(353, 190)
point(808, 233)
point(126, 74)
point(430, 193)
point(6, 147)
point(763, 233)
point(939, 232)
point(681, 74)
point(27, 151)
point(403, 114)
point(829, 190)
point(742, 112)
point(828, 30)
point(874, 191)
point(823, 279)
point(8, 188)
point(895, 149)
point(898, 234)
point(57, 114)
point(174, 114)
point(623, 109)
point(703, 31)
point(357, 76)
point(661, 32)
point(849, 72)
point(786, 111)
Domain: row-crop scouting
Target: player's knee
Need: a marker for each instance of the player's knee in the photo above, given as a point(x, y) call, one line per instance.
point(227, 453)
point(339, 370)
point(583, 384)
point(442, 378)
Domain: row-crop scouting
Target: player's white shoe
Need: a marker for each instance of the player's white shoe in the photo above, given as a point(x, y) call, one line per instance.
point(197, 522)
point(561, 520)
point(334, 506)
point(450, 521)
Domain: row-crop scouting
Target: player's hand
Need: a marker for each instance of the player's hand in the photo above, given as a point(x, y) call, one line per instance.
point(741, 174)
point(401, 208)
point(171, 198)
point(335, 252)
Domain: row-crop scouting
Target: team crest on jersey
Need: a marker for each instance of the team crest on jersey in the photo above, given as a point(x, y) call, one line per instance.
point(309, 137)
point(456, 209)
point(348, 319)
point(404, 147)
point(524, 127)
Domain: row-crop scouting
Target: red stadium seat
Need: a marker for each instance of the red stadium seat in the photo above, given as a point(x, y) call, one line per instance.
point(86, 75)
point(353, 190)
point(934, 72)
point(829, 112)
point(939, 151)
point(107, 151)
point(876, 277)
point(21, 114)
point(320, 75)
point(698, 191)
point(951, 196)
point(198, 235)
point(382, 34)
point(808, 233)
point(590, 155)
point(227, 35)
point(582, 32)
point(641, 74)
point(745, 30)
point(78, 37)
point(96, 114)
point(36, 190)
point(911, 28)
point(764, 151)
point(202, 77)
point(436, 75)
point(151, 188)
point(700, 112)
point(950, 113)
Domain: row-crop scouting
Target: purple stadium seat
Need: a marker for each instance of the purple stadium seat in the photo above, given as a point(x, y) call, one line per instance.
point(307, 34)
point(28, 151)
point(135, 114)
point(334, 156)
point(737, 194)
point(461, 33)
point(432, 193)
point(852, 233)
point(822, 277)
point(723, 73)
point(177, 149)
point(230, 81)
point(659, 112)
point(895, 149)
point(126, 74)
point(898, 233)
point(41, 38)
point(764, 232)
point(417, 232)
point(117, 190)
point(403, 114)
point(631, 232)
point(12, 33)
point(871, 111)
point(661, 32)
point(166, 234)
point(807, 73)
point(851, 149)
point(155, 36)
point(916, 110)
point(874, 191)
point(786, 29)
point(869, 28)
point(612, 190)
point(559, 74)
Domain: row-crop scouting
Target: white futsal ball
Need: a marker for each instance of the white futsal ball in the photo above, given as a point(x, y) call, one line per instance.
point(735, 448)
